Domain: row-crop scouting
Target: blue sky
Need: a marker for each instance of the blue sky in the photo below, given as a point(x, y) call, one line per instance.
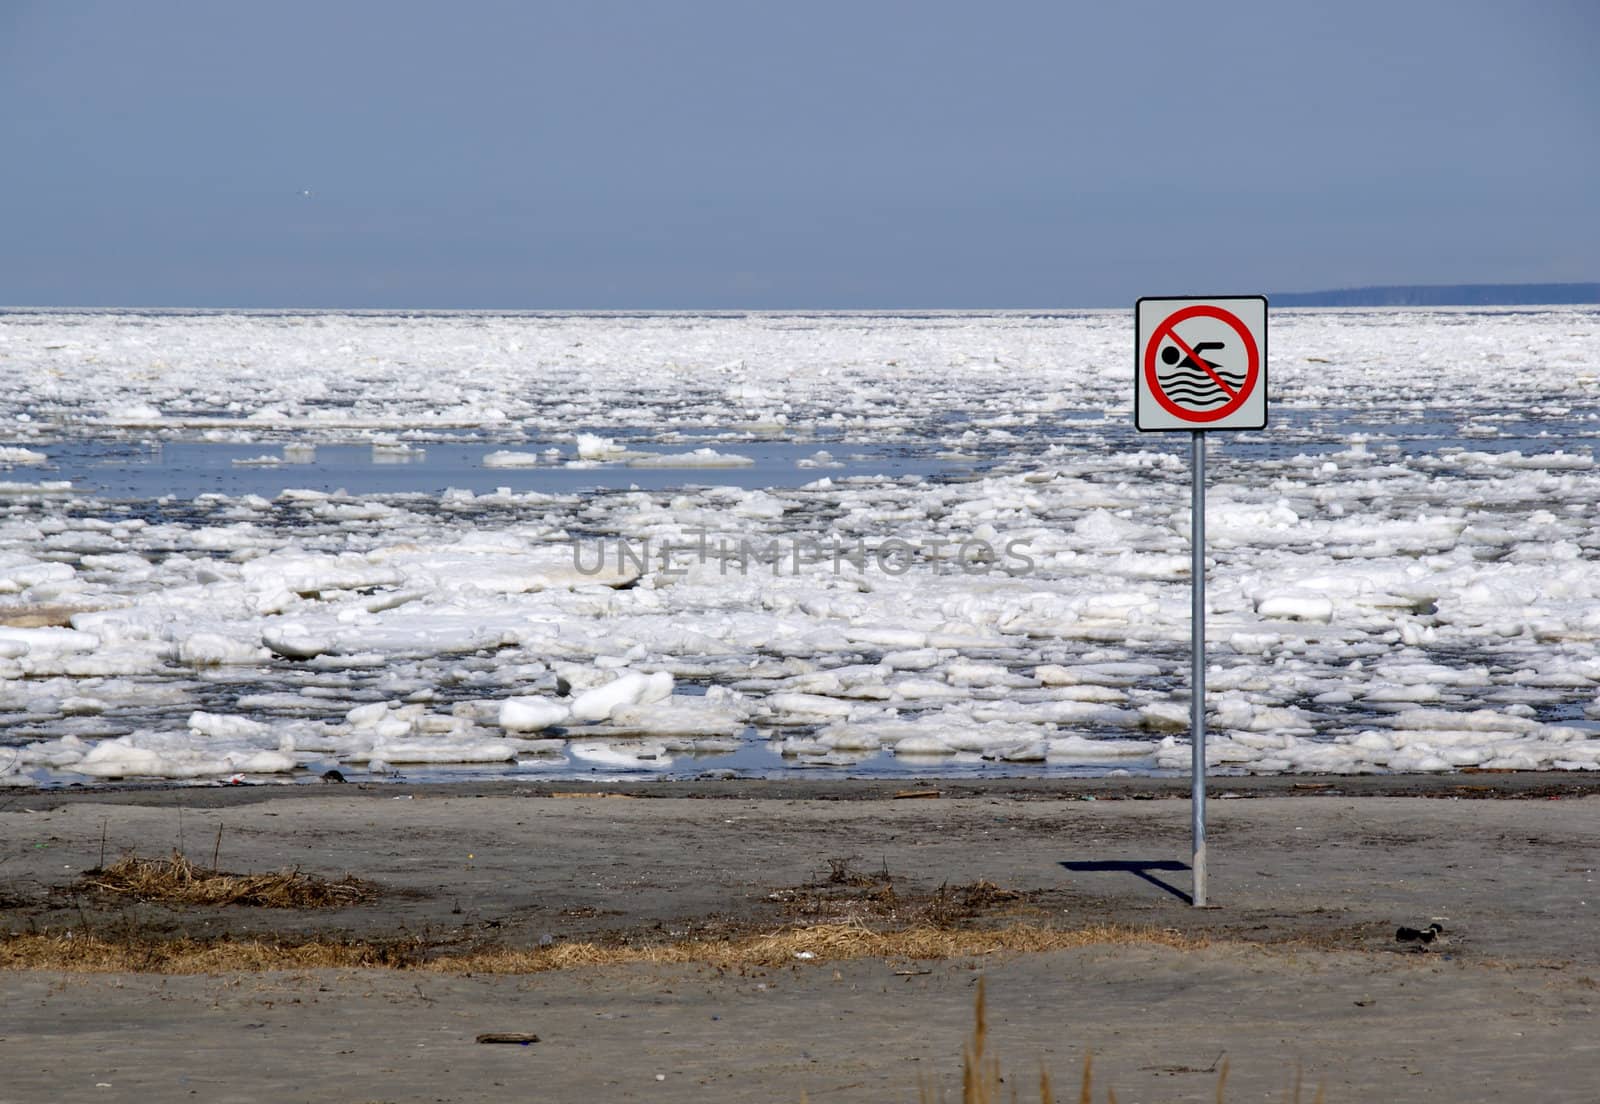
point(849, 155)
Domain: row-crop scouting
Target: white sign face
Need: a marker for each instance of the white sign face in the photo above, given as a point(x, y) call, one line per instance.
point(1200, 363)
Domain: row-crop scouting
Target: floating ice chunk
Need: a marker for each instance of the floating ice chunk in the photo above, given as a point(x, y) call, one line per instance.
point(679, 716)
point(631, 757)
point(1082, 748)
point(594, 447)
point(1417, 692)
point(21, 457)
point(117, 759)
point(310, 575)
point(1372, 740)
point(923, 689)
point(1116, 607)
point(821, 459)
point(1034, 751)
point(396, 452)
point(1479, 720)
point(1054, 712)
point(20, 573)
point(1247, 523)
point(850, 738)
point(512, 565)
point(1419, 759)
point(164, 755)
point(11, 771)
point(136, 412)
point(831, 759)
point(222, 725)
point(531, 714)
point(699, 458)
point(1100, 527)
point(1296, 607)
point(792, 708)
point(1102, 674)
point(922, 745)
point(48, 487)
point(209, 649)
point(633, 688)
point(369, 715)
point(506, 459)
point(1172, 716)
point(887, 637)
point(1088, 692)
point(294, 641)
point(1254, 643)
point(961, 673)
point(1549, 461)
point(916, 659)
point(261, 762)
point(52, 753)
point(759, 504)
point(49, 639)
point(390, 750)
point(1235, 711)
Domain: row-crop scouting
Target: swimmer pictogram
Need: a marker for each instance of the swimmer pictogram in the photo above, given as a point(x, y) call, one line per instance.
point(1193, 381)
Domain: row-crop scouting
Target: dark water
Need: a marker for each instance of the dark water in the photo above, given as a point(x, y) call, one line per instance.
point(148, 470)
point(139, 471)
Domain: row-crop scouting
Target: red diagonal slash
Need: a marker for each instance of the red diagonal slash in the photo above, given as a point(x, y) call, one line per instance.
point(1183, 347)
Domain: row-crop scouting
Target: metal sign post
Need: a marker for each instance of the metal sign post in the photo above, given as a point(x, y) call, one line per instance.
point(1197, 668)
point(1200, 363)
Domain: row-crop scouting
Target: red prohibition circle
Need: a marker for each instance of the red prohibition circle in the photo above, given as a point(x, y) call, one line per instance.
point(1202, 310)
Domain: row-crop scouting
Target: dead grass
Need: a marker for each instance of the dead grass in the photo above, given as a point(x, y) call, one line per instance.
point(87, 952)
point(844, 894)
point(176, 880)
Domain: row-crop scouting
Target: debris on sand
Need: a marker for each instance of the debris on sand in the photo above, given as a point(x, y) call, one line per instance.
point(176, 880)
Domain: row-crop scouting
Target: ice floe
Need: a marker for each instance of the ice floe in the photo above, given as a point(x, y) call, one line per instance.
point(1401, 570)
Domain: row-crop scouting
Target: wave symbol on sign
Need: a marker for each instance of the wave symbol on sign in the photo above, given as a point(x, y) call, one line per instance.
point(1188, 383)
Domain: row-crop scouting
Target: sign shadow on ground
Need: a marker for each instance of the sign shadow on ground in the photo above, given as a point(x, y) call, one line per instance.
point(1140, 868)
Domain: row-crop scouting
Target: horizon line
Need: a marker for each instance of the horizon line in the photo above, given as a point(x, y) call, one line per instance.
point(1590, 287)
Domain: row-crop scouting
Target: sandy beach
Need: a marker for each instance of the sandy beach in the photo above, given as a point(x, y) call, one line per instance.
point(1297, 968)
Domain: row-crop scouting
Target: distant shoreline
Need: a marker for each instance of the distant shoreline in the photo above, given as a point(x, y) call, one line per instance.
point(1396, 295)
point(1446, 295)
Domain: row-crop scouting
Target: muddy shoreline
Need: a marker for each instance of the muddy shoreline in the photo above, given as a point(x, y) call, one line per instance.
point(1461, 784)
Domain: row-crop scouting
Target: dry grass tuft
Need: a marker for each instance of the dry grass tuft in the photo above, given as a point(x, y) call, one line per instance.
point(985, 894)
point(844, 894)
point(85, 953)
point(981, 1078)
point(91, 953)
point(176, 880)
point(816, 943)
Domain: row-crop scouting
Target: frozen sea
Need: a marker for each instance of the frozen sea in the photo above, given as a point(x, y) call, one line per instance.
point(261, 546)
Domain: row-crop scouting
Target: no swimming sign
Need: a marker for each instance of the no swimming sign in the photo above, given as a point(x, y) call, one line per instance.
point(1200, 363)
